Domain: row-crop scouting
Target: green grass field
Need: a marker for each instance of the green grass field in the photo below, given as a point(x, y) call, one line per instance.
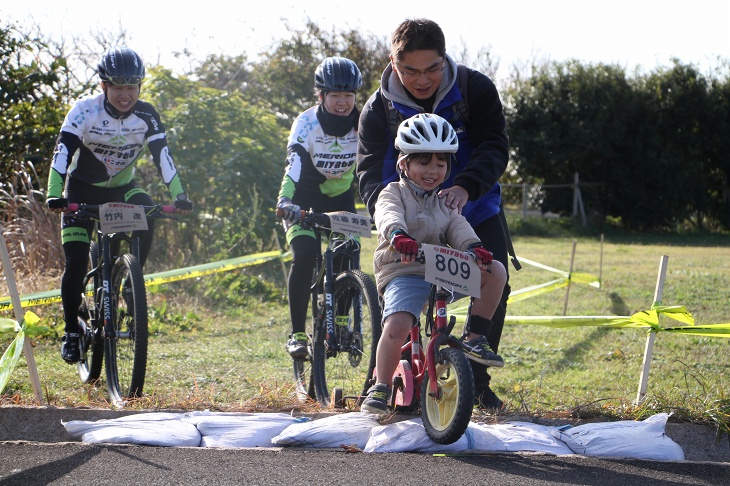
point(232, 357)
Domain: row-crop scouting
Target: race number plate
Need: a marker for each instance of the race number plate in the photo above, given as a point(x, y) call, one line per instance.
point(120, 217)
point(350, 224)
point(452, 269)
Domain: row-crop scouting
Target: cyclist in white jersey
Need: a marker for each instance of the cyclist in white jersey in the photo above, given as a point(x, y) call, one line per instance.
point(321, 153)
point(101, 139)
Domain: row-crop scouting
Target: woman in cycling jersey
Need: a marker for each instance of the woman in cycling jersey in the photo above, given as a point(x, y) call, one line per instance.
point(100, 142)
point(321, 152)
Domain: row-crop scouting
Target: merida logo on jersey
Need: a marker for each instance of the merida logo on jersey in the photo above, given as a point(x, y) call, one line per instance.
point(335, 147)
point(118, 140)
point(335, 156)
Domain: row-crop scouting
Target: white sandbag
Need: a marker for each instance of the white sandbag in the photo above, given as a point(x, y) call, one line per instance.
point(77, 428)
point(410, 436)
point(333, 431)
point(625, 438)
point(517, 437)
point(241, 429)
point(155, 429)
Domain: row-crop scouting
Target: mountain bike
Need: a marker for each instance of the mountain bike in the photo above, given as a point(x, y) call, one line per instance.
point(345, 313)
point(439, 379)
point(113, 315)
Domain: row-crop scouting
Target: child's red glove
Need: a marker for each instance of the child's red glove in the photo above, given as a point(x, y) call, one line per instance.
point(483, 254)
point(403, 243)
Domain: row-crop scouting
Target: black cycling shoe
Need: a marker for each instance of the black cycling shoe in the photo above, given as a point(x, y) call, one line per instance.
point(71, 349)
point(486, 399)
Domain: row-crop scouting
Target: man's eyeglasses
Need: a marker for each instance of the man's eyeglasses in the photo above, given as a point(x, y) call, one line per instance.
point(125, 80)
point(415, 74)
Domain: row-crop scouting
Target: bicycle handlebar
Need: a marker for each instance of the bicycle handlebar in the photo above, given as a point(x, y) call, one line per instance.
point(309, 218)
point(73, 207)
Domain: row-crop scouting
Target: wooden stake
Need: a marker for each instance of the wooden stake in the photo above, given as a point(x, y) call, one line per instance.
point(570, 272)
point(600, 266)
point(643, 380)
point(19, 314)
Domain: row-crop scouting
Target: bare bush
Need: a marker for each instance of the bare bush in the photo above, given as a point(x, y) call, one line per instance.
point(31, 231)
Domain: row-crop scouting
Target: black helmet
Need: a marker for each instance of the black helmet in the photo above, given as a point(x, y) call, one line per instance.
point(121, 66)
point(337, 74)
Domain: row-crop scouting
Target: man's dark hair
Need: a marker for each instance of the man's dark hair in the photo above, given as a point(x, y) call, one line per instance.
point(417, 35)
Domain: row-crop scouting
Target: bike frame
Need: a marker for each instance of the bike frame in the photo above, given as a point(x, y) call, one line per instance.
point(324, 282)
point(421, 360)
point(106, 243)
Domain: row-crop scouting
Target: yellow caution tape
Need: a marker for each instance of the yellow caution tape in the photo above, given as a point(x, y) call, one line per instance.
point(648, 320)
point(52, 296)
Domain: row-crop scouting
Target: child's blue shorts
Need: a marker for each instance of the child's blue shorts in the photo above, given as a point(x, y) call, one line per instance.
point(407, 293)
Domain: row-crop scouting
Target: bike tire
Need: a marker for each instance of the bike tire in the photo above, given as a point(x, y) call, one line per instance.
point(447, 416)
point(92, 355)
point(350, 366)
point(126, 350)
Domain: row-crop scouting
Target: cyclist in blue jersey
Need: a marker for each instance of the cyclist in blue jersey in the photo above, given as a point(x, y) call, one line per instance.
point(321, 152)
point(423, 78)
point(101, 139)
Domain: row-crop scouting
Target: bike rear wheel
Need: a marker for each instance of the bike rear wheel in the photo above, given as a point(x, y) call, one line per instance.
point(126, 349)
point(347, 361)
point(447, 415)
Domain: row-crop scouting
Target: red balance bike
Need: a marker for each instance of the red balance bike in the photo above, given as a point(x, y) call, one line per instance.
point(439, 378)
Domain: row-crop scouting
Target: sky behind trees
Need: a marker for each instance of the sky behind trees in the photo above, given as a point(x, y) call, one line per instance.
point(648, 33)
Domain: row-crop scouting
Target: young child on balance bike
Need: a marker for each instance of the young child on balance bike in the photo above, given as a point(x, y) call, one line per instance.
point(408, 212)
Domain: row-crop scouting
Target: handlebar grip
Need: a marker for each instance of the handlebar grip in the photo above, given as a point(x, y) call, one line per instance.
point(280, 213)
point(73, 206)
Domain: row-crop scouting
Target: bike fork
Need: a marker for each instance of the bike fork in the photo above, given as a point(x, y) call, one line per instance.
point(329, 305)
point(106, 272)
point(440, 326)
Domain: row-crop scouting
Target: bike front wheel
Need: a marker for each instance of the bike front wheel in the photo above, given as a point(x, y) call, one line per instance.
point(447, 413)
point(126, 347)
point(346, 359)
point(92, 346)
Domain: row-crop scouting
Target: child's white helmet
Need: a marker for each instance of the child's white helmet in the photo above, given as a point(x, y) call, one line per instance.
point(426, 133)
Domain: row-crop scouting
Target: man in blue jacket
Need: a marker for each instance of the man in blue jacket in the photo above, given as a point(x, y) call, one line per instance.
point(422, 78)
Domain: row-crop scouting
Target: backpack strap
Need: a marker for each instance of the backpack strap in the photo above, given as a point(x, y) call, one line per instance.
point(394, 116)
point(461, 109)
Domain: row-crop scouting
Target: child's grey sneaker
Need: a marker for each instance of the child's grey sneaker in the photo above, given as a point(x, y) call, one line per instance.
point(478, 350)
point(298, 345)
point(377, 399)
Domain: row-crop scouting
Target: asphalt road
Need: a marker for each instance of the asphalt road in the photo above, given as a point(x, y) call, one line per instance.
point(24, 463)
